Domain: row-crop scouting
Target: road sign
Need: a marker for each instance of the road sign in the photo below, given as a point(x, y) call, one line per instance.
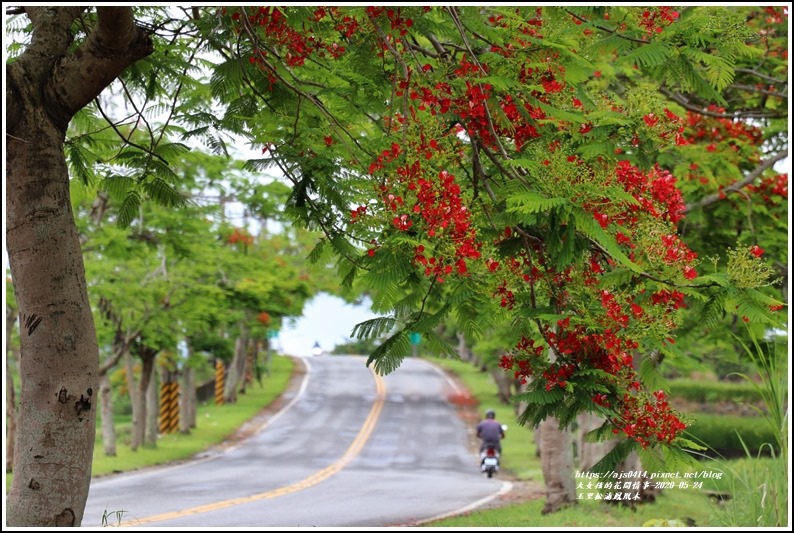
point(415, 338)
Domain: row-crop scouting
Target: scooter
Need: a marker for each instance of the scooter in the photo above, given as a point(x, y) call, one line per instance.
point(489, 458)
point(489, 461)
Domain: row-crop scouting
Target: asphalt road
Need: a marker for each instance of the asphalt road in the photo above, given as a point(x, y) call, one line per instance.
point(349, 449)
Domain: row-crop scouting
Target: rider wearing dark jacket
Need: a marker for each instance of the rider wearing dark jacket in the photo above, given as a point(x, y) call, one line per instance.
point(490, 432)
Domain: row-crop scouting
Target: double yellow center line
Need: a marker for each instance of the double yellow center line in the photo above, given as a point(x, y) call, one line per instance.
point(353, 450)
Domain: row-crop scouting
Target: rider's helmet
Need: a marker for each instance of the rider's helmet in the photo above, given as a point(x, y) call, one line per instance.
point(490, 413)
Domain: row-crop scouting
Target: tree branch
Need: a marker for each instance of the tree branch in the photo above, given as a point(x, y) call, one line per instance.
point(757, 171)
point(765, 77)
point(686, 104)
point(115, 43)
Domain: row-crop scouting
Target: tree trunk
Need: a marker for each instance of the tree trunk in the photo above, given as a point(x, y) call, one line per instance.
point(47, 84)
point(504, 385)
point(106, 407)
point(152, 412)
point(187, 401)
point(11, 415)
point(256, 366)
point(244, 367)
point(58, 348)
point(121, 345)
point(556, 457)
point(132, 388)
point(11, 402)
point(464, 352)
point(591, 452)
point(187, 397)
point(147, 356)
point(234, 373)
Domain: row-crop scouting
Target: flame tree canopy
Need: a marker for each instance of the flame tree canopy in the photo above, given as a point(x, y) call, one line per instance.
point(522, 166)
point(546, 171)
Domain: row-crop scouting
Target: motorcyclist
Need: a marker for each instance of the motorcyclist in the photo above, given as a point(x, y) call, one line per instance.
point(490, 432)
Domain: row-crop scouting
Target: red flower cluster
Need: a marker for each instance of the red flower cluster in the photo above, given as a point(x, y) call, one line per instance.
point(299, 45)
point(643, 419)
point(655, 191)
point(241, 236)
point(654, 20)
point(648, 422)
point(444, 215)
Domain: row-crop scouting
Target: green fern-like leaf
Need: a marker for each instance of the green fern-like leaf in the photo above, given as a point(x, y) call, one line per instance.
point(162, 193)
point(667, 459)
point(530, 202)
point(226, 80)
point(318, 253)
point(258, 165)
point(720, 278)
point(117, 186)
point(713, 311)
point(128, 209)
point(600, 434)
point(587, 225)
point(534, 414)
point(373, 328)
point(756, 311)
point(650, 55)
point(78, 163)
point(348, 273)
point(719, 71)
point(691, 79)
point(387, 357)
point(171, 151)
point(541, 396)
point(618, 277)
point(650, 375)
point(342, 246)
point(690, 444)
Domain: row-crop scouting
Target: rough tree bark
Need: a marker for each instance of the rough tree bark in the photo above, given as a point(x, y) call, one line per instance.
point(147, 356)
point(187, 400)
point(152, 411)
point(236, 370)
point(46, 85)
point(106, 412)
point(11, 400)
point(556, 459)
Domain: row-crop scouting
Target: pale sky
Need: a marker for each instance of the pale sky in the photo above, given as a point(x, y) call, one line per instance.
point(326, 319)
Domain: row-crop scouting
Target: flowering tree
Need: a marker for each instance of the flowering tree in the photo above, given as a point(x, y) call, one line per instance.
point(519, 166)
point(523, 166)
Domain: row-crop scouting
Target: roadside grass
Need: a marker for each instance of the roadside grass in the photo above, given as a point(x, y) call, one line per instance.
point(671, 505)
point(214, 424)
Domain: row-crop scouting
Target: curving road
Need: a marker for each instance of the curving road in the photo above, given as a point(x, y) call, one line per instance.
point(350, 449)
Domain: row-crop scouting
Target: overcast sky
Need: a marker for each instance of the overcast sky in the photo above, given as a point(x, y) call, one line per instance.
point(326, 319)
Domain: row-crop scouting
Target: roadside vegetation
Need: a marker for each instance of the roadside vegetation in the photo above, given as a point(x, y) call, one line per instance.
point(750, 490)
point(745, 478)
point(215, 424)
